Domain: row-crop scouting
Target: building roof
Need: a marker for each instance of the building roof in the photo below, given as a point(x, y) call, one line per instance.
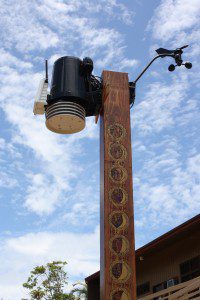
point(164, 240)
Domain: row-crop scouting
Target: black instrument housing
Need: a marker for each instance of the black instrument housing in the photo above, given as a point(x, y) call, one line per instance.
point(72, 80)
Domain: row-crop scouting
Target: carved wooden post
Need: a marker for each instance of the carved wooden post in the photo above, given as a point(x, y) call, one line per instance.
point(117, 272)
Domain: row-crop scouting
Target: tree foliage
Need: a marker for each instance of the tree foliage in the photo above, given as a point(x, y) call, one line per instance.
point(48, 282)
point(80, 291)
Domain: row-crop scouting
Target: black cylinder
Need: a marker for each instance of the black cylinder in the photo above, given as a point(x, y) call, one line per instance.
point(68, 80)
point(74, 95)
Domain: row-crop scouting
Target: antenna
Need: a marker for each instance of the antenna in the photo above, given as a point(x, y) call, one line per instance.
point(46, 70)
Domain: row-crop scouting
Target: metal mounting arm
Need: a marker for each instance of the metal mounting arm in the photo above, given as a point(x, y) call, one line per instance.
point(133, 84)
point(160, 55)
point(175, 54)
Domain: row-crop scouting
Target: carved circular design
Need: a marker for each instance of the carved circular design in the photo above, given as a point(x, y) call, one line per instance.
point(120, 294)
point(118, 196)
point(117, 151)
point(120, 271)
point(119, 245)
point(116, 131)
point(118, 174)
point(118, 220)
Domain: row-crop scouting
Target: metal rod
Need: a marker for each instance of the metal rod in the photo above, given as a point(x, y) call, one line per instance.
point(160, 55)
point(46, 70)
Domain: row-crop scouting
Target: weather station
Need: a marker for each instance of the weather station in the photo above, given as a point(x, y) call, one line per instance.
point(74, 95)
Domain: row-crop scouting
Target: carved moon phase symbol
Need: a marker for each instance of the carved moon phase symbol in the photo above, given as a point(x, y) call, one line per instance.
point(117, 151)
point(118, 174)
point(118, 196)
point(119, 245)
point(119, 220)
point(117, 270)
point(116, 131)
point(120, 271)
point(120, 294)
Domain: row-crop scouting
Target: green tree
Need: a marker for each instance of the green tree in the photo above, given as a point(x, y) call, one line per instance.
point(80, 291)
point(47, 282)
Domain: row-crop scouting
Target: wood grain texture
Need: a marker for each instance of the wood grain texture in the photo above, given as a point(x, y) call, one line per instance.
point(117, 250)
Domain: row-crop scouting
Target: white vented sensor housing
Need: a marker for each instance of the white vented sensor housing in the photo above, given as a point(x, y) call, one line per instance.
point(41, 98)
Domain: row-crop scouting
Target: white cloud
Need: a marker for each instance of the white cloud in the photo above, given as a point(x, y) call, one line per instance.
point(112, 8)
point(27, 251)
point(6, 180)
point(2, 143)
point(176, 22)
point(65, 26)
point(31, 244)
point(11, 61)
point(42, 195)
point(124, 13)
point(22, 29)
point(160, 106)
point(85, 199)
point(128, 63)
point(176, 197)
point(173, 17)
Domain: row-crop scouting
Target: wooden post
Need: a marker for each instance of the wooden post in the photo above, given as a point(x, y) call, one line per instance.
point(117, 252)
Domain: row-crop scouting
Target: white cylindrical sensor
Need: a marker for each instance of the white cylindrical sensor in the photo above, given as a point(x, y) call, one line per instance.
point(65, 117)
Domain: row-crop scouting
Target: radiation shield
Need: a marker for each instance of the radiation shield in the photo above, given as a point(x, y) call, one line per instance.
point(65, 117)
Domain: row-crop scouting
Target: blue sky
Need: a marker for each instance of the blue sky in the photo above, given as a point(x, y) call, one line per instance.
point(49, 200)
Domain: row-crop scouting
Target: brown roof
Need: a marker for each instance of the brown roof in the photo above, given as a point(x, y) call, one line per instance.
point(166, 239)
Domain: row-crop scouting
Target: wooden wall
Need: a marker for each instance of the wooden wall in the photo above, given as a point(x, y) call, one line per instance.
point(165, 264)
point(94, 289)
